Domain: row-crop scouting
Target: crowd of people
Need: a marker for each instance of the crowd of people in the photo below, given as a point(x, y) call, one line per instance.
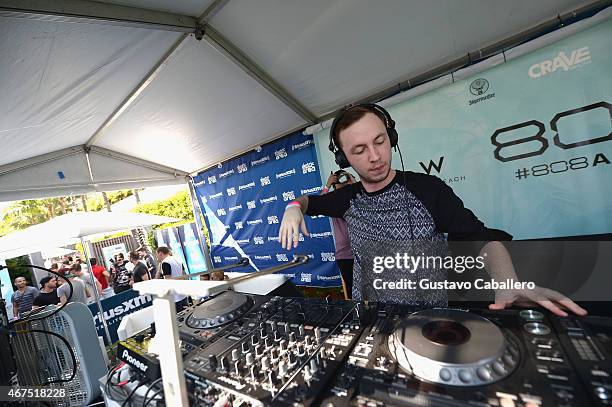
point(122, 274)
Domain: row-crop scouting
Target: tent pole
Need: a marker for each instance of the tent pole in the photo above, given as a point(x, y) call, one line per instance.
point(198, 221)
point(95, 290)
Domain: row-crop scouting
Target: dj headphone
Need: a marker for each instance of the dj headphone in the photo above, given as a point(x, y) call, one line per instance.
point(379, 111)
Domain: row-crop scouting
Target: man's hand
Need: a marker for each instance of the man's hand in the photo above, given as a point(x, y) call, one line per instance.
point(289, 233)
point(333, 179)
point(552, 300)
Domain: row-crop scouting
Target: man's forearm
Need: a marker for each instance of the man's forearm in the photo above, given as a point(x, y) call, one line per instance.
point(303, 200)
point(498, 261)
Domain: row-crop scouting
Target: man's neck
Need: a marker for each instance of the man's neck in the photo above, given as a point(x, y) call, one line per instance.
point(377, 186)
point(22, 289)
point(45, 290)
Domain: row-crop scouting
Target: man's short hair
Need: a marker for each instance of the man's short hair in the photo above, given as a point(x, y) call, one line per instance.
point(45, 280)
point(121, 256)
point(350, 116)
point(141, 249)
point(163, 249)
point(134, 256)
point(55, 266)
point(66, 262)
point(93, 261)
point(75, 267)
point(17, 278)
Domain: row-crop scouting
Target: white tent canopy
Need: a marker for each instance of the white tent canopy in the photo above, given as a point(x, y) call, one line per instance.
point(71, 228)
point(101, 96)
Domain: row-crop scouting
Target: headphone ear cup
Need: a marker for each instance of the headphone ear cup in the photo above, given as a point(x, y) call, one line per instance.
point(341, 159)
point(393, 137)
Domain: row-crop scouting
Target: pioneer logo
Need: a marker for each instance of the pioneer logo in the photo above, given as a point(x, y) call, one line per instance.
point(247, 186)
point(286, 174)
point(260, 161)
point(563, 61)
point(133, 361)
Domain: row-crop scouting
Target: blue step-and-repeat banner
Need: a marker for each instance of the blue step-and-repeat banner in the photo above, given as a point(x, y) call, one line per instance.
point(183, 241)
point(243, 201)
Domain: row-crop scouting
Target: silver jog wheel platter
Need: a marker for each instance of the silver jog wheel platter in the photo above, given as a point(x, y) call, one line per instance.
point(453, 347)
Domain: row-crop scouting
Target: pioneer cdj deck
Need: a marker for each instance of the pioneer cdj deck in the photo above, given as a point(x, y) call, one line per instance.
point(259, 350)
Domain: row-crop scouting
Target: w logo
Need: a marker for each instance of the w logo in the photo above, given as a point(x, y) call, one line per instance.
point(431, 164)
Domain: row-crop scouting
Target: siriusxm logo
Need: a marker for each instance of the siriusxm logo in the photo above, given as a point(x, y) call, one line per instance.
point(268, 257)
point(243, 241)
point(226, 173)
point(311, 190)
point(246, 186)
point(306, 278)
point(238, 225)
point(319, 235)
point(235, 208)
point(258, 240)
point(221, 212)
point(269, 199)
point(212, 179)
point(215, 196)
point(273, 239)
point(281, 257)
point(231, 191)
point(231, 258)
point(562, 61)
point(265, 181)
point(286, 174)
point(260, 161)
point(282, 153)
point(217, 259)
point(197, 184)
point(250, 204)
point(272, 220)
point(302, 145)
point(308, 167)
point(326, 256)
point(255, 222)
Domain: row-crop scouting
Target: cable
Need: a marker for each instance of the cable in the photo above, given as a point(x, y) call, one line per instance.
point(152, 397)
point(131, 394)
point(72, 355)
point(149, 389)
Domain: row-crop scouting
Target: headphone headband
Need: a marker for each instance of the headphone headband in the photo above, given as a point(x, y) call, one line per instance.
point(379, 111)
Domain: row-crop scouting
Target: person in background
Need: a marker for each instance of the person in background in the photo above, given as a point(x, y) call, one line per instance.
point(65, 267)
point(48, 294)
point(23, 298)
point(103, 278)
point(122, 277)
point(80, 290)
point(170, 266)
point(344, 255)
point(87, 279)
point(149, 260)
point(141, 271)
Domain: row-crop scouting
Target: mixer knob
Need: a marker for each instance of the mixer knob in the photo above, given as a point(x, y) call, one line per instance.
point(277, 336)
point(254, 340)
point(268, 343)
point(282, 370)
point(237, 368)
point(292, 359)
point(258, 350)
point(313, 366)
point(235, 354)
point(283, 345)
point(291, 338)
point(212, 362)
point(317, 332)
point(274, 355)
point(300, 350)
point(286, 328)
point(301, 330)
point(272, 325)
point(245, 347)
point(249, 359)
point(224, 364)
point(307, 374)
point(263, 333)
point(264, 363)
point(308, 341)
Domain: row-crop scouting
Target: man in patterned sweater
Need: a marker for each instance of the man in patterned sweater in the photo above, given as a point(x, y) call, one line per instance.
point(390, 212)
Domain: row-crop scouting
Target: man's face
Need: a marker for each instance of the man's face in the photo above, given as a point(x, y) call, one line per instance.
point(160, 256)
point(51, 284)
point(367, 148)
point(20, 282)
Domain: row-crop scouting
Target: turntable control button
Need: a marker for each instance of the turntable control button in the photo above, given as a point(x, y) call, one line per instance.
point(483, 373)
point(509, 360)
point(445, 374)
point(499, 368)
point(465, 376)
